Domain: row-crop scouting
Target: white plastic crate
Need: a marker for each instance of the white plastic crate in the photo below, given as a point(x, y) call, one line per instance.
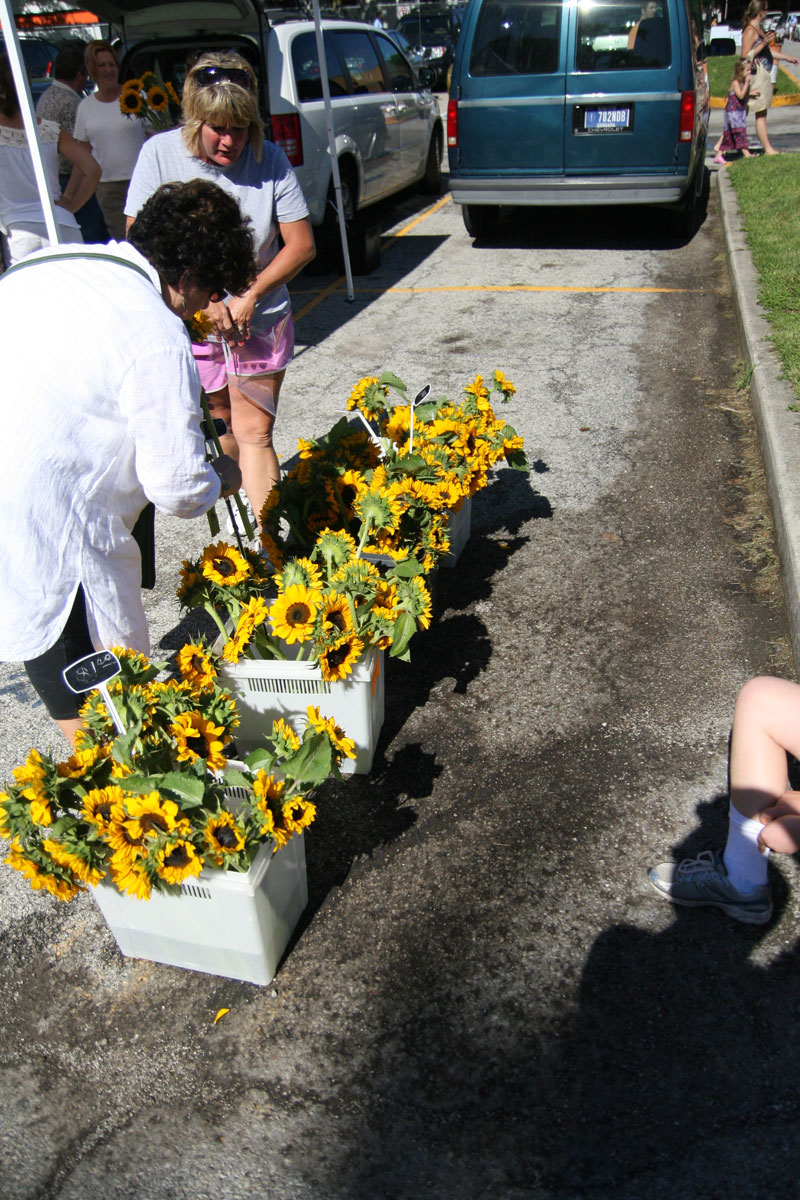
point(459, 527)
point(222, 922)
point(266, 689)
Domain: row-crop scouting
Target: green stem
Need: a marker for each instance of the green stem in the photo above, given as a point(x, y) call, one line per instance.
point(212, 612)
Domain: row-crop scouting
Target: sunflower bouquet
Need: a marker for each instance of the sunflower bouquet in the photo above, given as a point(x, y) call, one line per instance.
point(153, 807)
point(149, 99)
point(328, 607)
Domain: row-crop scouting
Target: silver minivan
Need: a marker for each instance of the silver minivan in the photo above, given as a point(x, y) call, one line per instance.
point(388, 130)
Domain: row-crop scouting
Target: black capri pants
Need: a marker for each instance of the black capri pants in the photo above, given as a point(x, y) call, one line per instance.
point(44, 672)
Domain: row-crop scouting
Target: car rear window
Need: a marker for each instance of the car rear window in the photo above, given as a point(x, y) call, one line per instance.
point(433, 29)
point(305, 61)
point(622, 37)
point(358, 54)
point(517, 39)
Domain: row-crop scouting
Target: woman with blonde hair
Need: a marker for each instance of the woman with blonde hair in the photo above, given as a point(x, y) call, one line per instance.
point(222, 140)
point(114, 139)
point(757, 47)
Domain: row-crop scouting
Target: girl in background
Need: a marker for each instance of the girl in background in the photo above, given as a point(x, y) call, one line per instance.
point(734, 131)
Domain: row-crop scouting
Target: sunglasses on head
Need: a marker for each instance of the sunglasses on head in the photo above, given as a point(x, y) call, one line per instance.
point(209, 76)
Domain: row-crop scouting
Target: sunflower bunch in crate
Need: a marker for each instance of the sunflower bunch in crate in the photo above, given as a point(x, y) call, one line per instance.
point(152, 807)
point(149, 99)
point(231, 586)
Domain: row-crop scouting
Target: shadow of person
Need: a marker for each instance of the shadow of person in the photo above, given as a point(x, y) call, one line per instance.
point(680, 1083)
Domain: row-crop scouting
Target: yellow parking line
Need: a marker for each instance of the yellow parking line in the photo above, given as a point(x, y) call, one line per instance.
point(536, 287)
point(337, 283)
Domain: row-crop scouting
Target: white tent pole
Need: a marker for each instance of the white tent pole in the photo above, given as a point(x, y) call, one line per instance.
point(337, 179)
point(29, 118)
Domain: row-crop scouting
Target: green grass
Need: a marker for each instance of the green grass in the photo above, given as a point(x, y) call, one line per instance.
point(720, 74)
point(768, 192)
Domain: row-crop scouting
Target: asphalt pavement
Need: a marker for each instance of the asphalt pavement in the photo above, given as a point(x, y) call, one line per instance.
point(484, 998)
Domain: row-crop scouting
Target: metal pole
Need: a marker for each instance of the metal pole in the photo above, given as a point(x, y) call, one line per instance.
point(20, 76)
point(337, 179)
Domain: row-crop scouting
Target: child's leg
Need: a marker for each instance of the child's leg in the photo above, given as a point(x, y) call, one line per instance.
point(766, 723)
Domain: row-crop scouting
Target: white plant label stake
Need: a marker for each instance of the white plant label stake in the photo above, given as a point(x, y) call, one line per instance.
point(91, 672)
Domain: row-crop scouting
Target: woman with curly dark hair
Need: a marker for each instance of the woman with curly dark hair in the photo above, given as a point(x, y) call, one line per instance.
point(110, 422)
point(222, 139)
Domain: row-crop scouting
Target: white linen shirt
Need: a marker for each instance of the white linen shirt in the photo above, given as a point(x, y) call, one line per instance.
point(101, 413)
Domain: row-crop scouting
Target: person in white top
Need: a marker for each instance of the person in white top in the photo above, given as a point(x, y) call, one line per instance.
point(110, 420)
point(115, 139)
point(22, 226)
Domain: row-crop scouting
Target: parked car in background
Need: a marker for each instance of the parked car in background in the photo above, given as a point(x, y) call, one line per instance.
point(730, 31)
point(388, 131)
point(434, 32)
point(775, 22)
point(557, 103)
point(38, 56)
point(426, 74)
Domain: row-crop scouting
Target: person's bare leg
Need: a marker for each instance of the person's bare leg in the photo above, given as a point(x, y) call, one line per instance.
point(219, 405)
point(70, 728)
point(762, 135)
point(766, 723)
point(252, 428)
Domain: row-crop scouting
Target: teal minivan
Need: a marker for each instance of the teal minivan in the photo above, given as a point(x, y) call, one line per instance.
point(557, 102)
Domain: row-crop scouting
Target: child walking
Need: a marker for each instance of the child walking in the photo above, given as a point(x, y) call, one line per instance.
point(734, 131)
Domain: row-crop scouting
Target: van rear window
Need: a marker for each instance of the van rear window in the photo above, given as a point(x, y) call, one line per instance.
point(521, 38)
point(614, 36)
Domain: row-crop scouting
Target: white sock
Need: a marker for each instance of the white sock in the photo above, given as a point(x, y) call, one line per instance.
point(744, 862)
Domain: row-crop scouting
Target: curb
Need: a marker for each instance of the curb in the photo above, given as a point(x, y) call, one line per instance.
point(777, 427)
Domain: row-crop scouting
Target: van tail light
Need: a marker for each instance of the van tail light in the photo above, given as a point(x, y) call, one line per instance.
point(286, 134)
point(687, 117)
point(452, 122)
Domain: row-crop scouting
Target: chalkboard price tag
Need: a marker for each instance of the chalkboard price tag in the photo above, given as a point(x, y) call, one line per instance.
point(91, 671)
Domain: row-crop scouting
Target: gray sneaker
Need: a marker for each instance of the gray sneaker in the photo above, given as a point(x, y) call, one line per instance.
point(701, 881)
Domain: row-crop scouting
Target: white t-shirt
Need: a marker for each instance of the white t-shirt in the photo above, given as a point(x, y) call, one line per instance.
point(267, 192)
point(114, 138)
point(109, 418)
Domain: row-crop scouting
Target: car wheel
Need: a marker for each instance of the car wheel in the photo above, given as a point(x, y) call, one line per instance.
point(685, 220)
point(431, 183)
point(480, 219)
point(329, 242)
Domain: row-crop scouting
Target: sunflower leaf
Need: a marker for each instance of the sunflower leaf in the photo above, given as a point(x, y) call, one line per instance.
point(404, 629)
point(190, 790)
point(234, 778)
point(407, 569)
point(387, 379)
point(312, 762)
point(257, 759)
point(139, 783)
point(516, 460)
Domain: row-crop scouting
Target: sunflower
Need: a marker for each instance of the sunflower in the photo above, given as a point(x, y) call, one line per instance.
point(298, 813)
point(223, 836)
point(337, 615)
point(287, 740)
point(336, 734)
point(79, 867)
point(119, 836)
point(335, 546)
point(267, 787)
point(130, 102)
point(30, 776)
point(417, 599)
point(99, 804)
point(368, 395)
point(253, 613)
point(195, 665)
point(399, 425)
point(56, 885)
point(504, 385)
point(272, 547)
point(349, 486)
point(151, 814)
point(197, 738)
point(131, 878)
point(378, 509)
point(189, 580)
point(81, 762)
point(479, 391)
point(299, 570)
point(173, 95)
point(293, 614)
point(337, 661)
point(223, 565)
point(5, 831)
point(178, 862)
point(157, 98)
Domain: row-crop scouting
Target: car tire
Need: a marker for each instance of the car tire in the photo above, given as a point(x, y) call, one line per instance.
point(686, 219)
point(431, 182)
point(329, 243)
point(480, 219)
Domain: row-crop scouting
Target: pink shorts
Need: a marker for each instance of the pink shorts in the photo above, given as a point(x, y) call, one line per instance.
point(264, 353)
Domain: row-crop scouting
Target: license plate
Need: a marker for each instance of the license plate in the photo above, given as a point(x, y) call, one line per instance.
point(600, 120)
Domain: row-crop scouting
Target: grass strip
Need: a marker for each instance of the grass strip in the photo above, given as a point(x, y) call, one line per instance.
point(720, 74)
point(768, 193)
